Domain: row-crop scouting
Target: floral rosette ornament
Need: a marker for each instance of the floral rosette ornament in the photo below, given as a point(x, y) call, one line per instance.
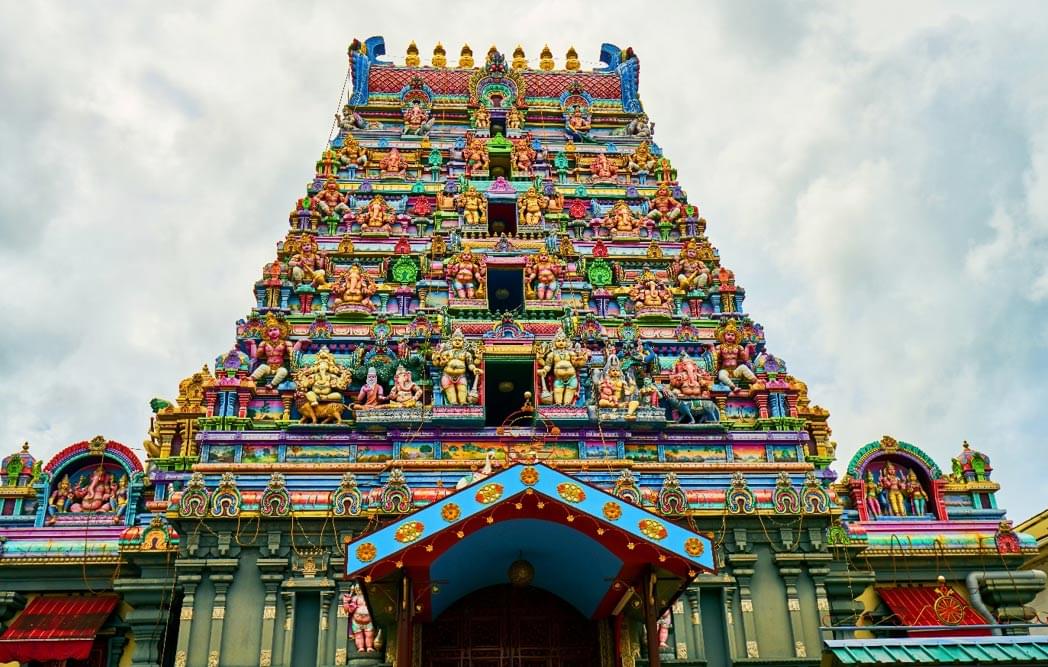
point(489, 493)
point(366, 552)
point(653, 529)
point(450, 512)
point(409, 532)
point(572, 493)
point(693, 546)
point(612, 511)
point(529, 476)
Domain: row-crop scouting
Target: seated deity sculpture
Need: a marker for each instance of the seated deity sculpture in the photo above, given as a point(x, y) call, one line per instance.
point(642, 159)
point(393, 165)
point(602, 169)
point(371, 394)
point(649, 294)
point(352, 154)
point(309, 265)
point(376, 216)
point(616, 389)
point(330, 201)
point(457, 360)
point(476, 155)
point(564, 361)
point(664, 208)
point(577, 125)
point(474, 206)
point(481, 118)
point(514, 119)
point(353, 288)
point(621, 221)
point(417, 121)
point(404, 393)
point(691, 272)
point(523, 155)
point(273, 353)
point(530, 207)
point(322, 381)
point(732, 358)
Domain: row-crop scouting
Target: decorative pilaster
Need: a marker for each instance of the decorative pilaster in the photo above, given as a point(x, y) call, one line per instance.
point(793, 605)
point(272, 570)
point(323, 657)
point(148, 593)
point(289, 623)
point(742, 568)
point(695, 622)
point(189, 576)
point(843, 588)
point(221, 576)
point(822, 600)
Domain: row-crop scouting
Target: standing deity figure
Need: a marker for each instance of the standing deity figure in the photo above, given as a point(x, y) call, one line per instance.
point(514, 119)
point(732, 358)
point(352, 154)
point(918, 498)
point(404, 393)
point(323, 380)
point(393, 165)
point(577, 125)
point(523, 155)
point(530, 207)
point(620, 219)
point(542, 273)
point(617, 389)
point(663, 206)
point(330, 201)
point(361, 626)
point(465, 272)
point(371, 394)
point(457, 359)
point(476, 155)
point(871, 491)
point(664, 624)
point(691, 272)
point(481, 118)
point(417, 121)
point(377, 215)
point(642, 159)
point(564, 361)
point(602, 169)
point(353, 287)
point(309, 265)
point(274, 352)
point(892, 487)
point(648, 293)
point(474, 206)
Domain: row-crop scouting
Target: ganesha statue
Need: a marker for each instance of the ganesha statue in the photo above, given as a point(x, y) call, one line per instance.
point(404, 393)
point(564, 361)
point(393, 164)
point(320, 384)
point(352, 290)
point(603, 170)
point(650, 296)
point(621, 221)
point(458, 360)
point(542, 274)
point(376, 216)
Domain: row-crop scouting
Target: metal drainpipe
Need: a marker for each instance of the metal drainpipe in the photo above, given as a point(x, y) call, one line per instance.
point(975, 596)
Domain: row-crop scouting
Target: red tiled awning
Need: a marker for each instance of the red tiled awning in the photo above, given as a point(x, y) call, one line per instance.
point(917, 606)
point(55, 628)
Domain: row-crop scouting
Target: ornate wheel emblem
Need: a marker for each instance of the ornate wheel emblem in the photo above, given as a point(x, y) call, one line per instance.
point(948, 609)
point(366, 552)
point(612, 511)
point(450, 512)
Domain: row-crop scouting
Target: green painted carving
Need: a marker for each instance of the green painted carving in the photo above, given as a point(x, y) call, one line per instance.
point(599, 273)
point(405, 270)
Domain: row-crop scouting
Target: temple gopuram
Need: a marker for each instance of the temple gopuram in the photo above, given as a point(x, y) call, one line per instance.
point(499, 402)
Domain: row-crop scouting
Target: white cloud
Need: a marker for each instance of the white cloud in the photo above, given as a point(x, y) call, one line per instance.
point(874, 173)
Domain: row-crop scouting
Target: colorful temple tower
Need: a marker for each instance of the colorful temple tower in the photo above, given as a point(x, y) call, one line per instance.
point(499, 402)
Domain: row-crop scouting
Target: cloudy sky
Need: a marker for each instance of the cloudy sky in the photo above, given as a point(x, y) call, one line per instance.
point(876, 174)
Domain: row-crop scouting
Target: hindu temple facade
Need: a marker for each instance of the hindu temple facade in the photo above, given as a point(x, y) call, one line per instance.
point(500, 403)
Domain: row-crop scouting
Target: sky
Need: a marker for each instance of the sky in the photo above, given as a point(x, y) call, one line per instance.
point(875, 173)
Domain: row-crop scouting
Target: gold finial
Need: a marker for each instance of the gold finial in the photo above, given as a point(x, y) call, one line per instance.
point(492, 51)
point(572, 59)
point(412, 59)
point(440, 58)
point(546, 59)
point(97, 444)
point(519, 60)
point(466, 56)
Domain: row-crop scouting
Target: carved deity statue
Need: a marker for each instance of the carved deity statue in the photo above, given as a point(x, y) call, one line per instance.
point(691, 272)
point(309, 265)
point(481, 118)
point(466, 273)
point(514, 119)
point(542, 273)
point(377, 215)
point(564, 361)
point(871, 493)
point(352, 154)
point(273, 354)
point(688, 379)
point(361, 626)
point(353, 287)
point(602, 168)
point(476, 155)
point(617, 389)
point(323, 380)
point(458, 359)
point(393, 165)
point(330, 201)
point(642, 159)
point(620, 219)
point(417, 121)
point(732, 358)
point(892, 488)
point(648, 293)
point(918, 498)
point(663, 206)
point(523, 155)
point(474, 206)
point(371, 394)
point(577, 125)
point(404, 393)
point(530, 207)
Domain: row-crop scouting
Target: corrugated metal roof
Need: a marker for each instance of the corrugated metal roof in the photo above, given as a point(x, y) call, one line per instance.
point(1018, 650)
point(916, 606)
point(55, 628)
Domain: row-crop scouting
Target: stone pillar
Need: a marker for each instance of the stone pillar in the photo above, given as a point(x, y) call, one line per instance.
point(695, 621)
point(323, 656)
point(272, 570)
point(822, 601)
point(289, 623)
point(221, 576)
point(742, 568)
point(843, 588)
point(189, 576)
point(149, 596)
point(728, 599)
point(793, 605)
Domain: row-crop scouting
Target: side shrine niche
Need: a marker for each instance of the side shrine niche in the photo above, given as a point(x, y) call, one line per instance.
point(90, 483)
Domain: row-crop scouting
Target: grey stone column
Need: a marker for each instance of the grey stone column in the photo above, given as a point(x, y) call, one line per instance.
point(149, 596)
point(189, 576)
point(695, 621)
point(843, 588)
point(793, 605)
point(289, 623)
point(221, 576)
point(822, 600)
point(323, 655)
point(273, 572)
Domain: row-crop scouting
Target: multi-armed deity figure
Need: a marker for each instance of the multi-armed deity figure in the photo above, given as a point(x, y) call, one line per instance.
point(621, 221)
point(361, 626)
point(542, 273)
point(473, 205)
point(352, 154)
point(691, 272)
point(376, 216)
point(530, 207)
point(616, 389)
point(476, 155)
point(353, 288)
point(417, 121)
point(330, 200)
point(404, 393)
point(309, 265)
point(603, 169)
point(650, 295)
point(466, 273)
point(393, 165)
point(514, 119)
point(664, 208)
point(564, 361)
point(642, 159)
point(458, 359)
point(577, 125)
point(274, 352)
point(732, 358)
point(324, 380)
point(523, 155)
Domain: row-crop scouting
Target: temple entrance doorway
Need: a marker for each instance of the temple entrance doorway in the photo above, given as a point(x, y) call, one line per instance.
point(505, 382)
point(505, 626)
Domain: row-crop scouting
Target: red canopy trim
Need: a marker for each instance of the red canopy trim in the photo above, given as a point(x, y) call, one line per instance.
point(924, 605)
point(56, 628)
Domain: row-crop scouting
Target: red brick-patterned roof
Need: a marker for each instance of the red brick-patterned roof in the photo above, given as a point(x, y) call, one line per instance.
point(455, 81)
